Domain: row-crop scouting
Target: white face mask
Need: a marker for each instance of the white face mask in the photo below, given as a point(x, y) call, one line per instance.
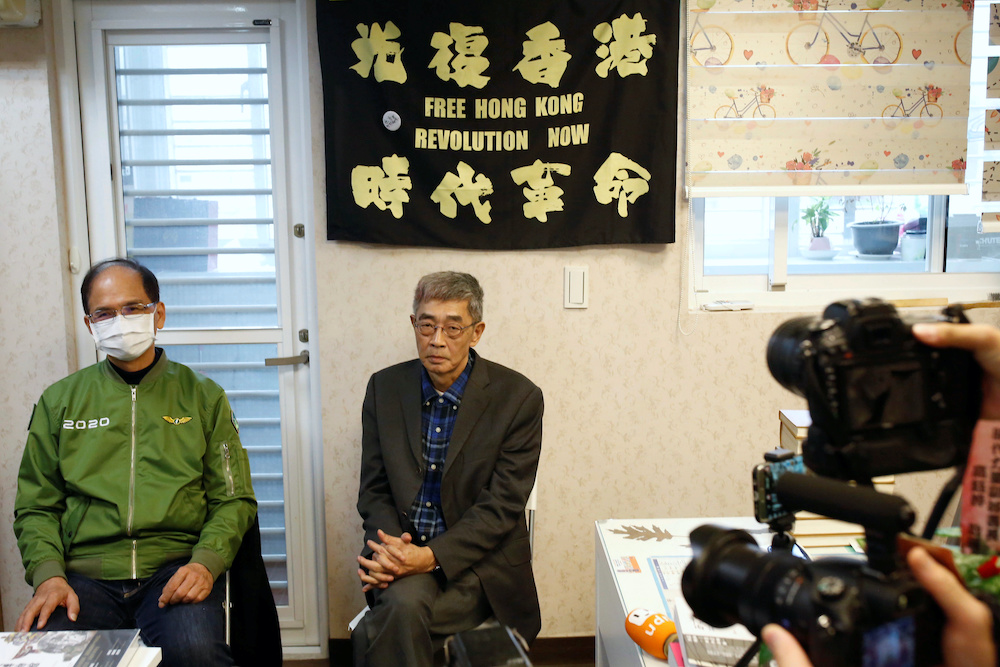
point(124, 338)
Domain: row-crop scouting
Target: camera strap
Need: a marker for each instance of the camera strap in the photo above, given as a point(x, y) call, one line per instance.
point(752, 652)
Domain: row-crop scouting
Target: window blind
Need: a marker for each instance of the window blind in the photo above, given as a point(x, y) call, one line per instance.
point(984, 119)
point(802, 97)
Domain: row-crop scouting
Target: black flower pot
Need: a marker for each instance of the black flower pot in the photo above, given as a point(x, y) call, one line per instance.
point(875, 238)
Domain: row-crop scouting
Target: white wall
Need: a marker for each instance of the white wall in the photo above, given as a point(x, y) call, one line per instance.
point(642, 420)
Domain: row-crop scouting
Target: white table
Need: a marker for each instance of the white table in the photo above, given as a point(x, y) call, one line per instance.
point(626, 580)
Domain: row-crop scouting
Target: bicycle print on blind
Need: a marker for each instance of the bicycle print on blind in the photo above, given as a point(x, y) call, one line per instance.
point(876, 85)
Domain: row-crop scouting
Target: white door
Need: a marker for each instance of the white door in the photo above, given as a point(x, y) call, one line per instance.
point(187, 142)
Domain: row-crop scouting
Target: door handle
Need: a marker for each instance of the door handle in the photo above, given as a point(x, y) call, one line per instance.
point(300, 358)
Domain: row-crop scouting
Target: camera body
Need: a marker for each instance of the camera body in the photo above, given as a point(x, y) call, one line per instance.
point(881, 402)
point(841, 611)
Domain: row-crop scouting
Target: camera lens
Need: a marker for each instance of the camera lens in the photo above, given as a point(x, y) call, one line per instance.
point(837, 608)
point(730, 581)
point(784, 353)
point(717, 574)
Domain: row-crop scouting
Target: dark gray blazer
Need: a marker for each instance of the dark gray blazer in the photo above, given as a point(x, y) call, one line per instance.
point(488, 474)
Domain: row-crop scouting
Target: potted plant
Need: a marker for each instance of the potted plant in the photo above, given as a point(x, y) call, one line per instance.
point(878, 236)
point(817, 216)
point(913, 245)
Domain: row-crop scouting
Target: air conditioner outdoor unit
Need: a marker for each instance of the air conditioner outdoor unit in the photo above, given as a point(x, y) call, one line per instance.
point(20, 13)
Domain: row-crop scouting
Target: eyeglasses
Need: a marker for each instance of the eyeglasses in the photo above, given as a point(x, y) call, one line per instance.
point(130, 310)
point(450, 330)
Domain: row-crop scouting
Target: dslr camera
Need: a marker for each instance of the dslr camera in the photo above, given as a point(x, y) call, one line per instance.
point(881, 403)
point(841, 611)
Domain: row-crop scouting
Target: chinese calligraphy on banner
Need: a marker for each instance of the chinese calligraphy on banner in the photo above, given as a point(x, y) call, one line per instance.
point(500, 125)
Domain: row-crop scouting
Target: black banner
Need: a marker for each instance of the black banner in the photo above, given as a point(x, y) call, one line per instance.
point(503, 124)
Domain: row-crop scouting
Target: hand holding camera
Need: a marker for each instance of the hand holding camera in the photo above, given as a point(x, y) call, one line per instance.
point(983, 341)
point(887, 395)
point(967, 640)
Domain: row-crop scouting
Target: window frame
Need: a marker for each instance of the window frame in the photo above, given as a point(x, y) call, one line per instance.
point(779, 290)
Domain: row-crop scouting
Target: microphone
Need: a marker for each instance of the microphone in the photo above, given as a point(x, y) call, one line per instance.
point(652, 632)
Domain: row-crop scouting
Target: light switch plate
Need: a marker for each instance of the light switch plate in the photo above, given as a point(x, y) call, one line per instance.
point(576, 287)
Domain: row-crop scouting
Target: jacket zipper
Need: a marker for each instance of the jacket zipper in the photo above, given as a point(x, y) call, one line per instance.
point(230, 490)
point(131, 489)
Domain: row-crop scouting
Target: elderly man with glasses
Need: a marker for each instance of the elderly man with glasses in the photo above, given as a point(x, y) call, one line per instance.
point(134, 491)
point(450, 446)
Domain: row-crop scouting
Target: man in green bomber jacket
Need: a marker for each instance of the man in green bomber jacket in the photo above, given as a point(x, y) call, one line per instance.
point(134, 490)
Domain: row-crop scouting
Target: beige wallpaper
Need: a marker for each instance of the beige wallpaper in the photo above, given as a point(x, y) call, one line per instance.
point(641, 419)
point(34, 346)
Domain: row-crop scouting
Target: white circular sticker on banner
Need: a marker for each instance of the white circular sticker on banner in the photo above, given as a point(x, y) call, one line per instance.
point(391, 120)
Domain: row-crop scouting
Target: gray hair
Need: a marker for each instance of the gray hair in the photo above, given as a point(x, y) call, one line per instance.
point(450, 286)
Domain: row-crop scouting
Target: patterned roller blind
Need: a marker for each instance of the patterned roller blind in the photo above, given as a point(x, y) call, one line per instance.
point(800, 97)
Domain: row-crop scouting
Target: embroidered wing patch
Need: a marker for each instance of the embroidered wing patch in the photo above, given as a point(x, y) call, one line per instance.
point(176, 420)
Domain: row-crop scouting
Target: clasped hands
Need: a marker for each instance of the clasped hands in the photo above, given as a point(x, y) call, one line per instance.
point(393, 558)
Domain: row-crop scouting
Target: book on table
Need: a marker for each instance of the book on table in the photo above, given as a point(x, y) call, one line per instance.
point(705, 646)
point(69, 648)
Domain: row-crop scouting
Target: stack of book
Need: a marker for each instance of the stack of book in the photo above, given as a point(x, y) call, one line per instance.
point(76, 648)
point(701, 645)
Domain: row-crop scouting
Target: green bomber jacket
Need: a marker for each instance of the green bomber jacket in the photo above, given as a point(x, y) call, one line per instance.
point(117, 480)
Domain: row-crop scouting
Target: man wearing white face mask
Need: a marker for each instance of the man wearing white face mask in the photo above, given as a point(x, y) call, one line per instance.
point(127, 337)
point(134, 489)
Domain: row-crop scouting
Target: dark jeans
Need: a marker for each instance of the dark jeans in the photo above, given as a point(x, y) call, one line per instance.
point(190, 635)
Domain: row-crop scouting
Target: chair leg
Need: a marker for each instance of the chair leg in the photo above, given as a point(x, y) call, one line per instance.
point(531, 531)
point(228, 610)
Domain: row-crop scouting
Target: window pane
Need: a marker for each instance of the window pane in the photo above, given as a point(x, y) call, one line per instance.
point(737, 233)
point(196, 178)
point(204, 177)
point(968, 251)
point(252, 389)
point(865, 234)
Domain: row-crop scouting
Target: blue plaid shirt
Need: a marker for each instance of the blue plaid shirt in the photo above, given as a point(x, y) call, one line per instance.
point(439, 412)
